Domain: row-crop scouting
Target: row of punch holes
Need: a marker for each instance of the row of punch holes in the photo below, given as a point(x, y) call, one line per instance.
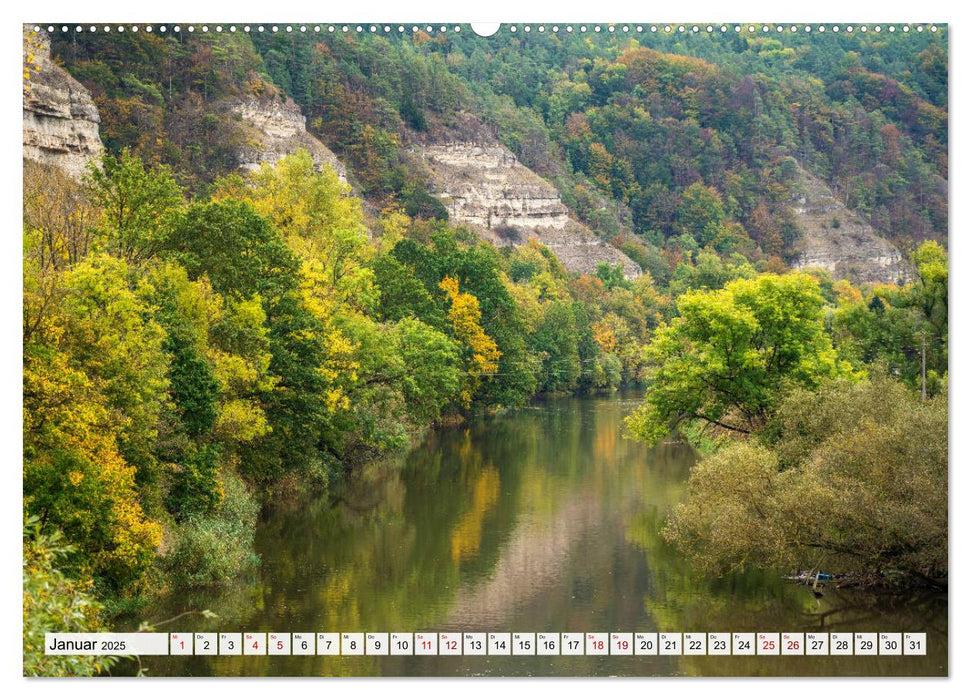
point(487, 30)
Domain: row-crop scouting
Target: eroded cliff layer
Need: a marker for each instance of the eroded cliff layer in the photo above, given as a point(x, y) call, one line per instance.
point(276, 128)
point(61, 121)
point(839, 240)
point(485, 187)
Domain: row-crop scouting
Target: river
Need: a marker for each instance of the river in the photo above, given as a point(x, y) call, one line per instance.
point(542, 519)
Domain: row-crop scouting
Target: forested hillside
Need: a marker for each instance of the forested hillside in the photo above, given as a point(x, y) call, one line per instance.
point(671, 142)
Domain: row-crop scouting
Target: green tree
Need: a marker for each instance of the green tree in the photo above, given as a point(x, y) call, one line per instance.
point(236, 248)
point(701, 214)
point(557, 343)
point(403, 294)
point(905, 330)
point(139, 207)
point(612, 276)
point(432, 376)
point(730, 355)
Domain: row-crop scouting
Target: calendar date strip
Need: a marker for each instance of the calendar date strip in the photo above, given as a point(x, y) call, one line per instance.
point(487, 644)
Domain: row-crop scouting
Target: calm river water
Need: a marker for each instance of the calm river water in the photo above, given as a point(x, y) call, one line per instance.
point(542, 519)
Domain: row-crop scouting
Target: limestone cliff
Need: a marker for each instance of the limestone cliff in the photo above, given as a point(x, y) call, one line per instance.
point(60, 126)
point(839, 240)
point(274, 128)
point(484, 186)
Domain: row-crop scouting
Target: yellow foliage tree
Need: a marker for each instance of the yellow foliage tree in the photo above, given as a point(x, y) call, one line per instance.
point(482, 356)
point(323, 224)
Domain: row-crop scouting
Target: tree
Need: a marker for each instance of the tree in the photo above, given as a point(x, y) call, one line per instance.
point(612, 276)
point(481, 353)
point(58, 214)
point(903, 329)
point(95, 384)
point(403, 294)
point(701, 214)
point(323, 224)
point(557, 343)
point(54, 601)
point(432, 375)
point(930, 296)
point(236, 248)
point(140, 207)
point(728, 357)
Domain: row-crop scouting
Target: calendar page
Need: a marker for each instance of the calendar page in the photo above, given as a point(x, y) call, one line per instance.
point(516, 349)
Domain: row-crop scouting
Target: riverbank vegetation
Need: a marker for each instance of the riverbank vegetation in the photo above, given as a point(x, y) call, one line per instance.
point(827, 424)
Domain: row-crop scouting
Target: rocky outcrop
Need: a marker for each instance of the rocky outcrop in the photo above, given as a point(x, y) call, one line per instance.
point(275, 128)
point(839, 240)
point(60, 126)
point(484, 186)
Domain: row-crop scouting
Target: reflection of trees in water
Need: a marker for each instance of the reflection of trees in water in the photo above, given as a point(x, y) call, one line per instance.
point(530, 563)
point(858, 610)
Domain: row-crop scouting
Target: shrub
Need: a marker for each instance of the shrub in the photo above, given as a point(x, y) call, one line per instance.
point(851, 478)
point(53, 602)
point(218, 547)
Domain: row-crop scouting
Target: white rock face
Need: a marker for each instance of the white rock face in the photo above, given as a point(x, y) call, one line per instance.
point(837, 239)
point(60, 126)
point(276, 128)
point(484, 186)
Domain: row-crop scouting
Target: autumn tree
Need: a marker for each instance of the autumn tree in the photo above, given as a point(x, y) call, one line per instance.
point(95, 385)
point(481, 353)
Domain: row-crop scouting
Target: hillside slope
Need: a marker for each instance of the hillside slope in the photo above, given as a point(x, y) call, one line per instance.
point(837, 239)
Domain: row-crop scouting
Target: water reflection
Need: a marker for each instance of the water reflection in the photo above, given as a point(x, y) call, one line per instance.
point(544, 519)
